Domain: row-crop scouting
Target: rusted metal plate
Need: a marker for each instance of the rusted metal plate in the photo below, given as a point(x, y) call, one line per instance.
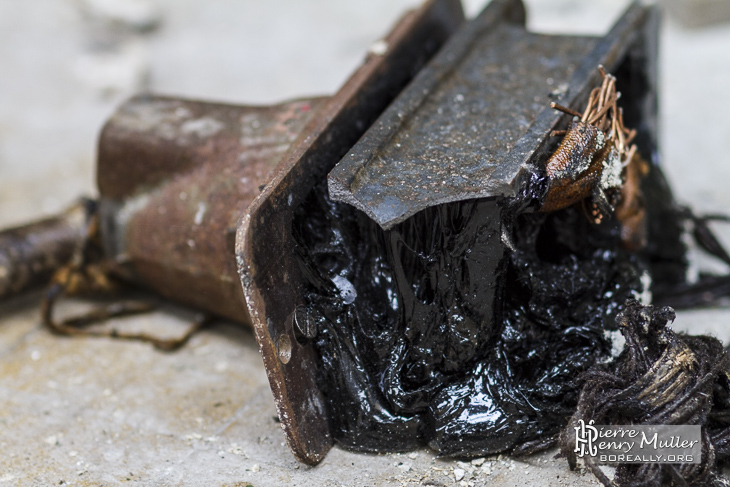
point(265, 248)
point(174, 178)
point(471, 123)
point(194, 168)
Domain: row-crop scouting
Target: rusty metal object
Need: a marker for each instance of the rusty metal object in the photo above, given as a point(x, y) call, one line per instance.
point(473, 124)
point(568, 194)
point(580, 143)
point(630, 211)
point(176, 177)
point(591, 159)
point(476, 122)
point(186, 184)
point(31, 253)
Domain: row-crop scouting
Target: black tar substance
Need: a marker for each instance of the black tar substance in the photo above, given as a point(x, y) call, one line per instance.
point(469, 327)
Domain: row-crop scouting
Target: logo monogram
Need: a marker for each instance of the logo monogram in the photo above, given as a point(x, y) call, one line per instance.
point(585, 436)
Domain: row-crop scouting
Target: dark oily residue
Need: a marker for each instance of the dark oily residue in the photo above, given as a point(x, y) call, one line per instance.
point(465, 327)
point(561, 294)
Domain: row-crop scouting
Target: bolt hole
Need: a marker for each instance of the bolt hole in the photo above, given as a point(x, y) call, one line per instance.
point(284, 346)
point(305, 326)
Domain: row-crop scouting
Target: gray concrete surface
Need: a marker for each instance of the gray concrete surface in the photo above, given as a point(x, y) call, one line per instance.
point(102, 412)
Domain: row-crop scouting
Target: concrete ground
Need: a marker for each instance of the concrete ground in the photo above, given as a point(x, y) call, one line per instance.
point(103, 412)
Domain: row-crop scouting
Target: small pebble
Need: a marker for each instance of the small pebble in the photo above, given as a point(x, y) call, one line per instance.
point(379, 48)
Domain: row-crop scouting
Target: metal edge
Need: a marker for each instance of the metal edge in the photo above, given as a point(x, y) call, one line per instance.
point(609, 51)
point(459, 46)
point(296, 176)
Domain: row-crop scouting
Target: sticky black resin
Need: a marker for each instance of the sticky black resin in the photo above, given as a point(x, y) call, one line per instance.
point(465, 327)
point(561, 296)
